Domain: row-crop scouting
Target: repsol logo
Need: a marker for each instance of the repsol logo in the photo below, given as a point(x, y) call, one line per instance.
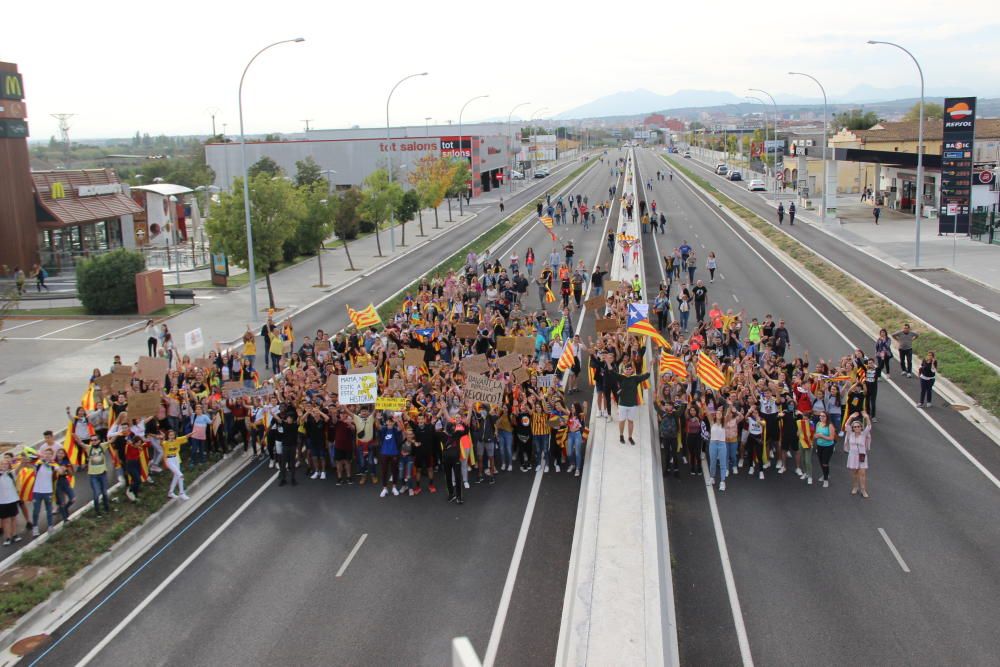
point(958, 123)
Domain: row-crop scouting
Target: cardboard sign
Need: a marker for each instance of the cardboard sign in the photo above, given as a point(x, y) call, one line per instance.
point(413, 357)
point(508, 363)
point(144, 405)
point(481, 389)
point(104, 384)
point(521, 375)
point(395, 362)
point(333, 384)
point(612, 285)
point(475, 364)
point(397, 384)
point(321, 346)
point(391, 404)
point(466, 330)
point(361, 370)
point(233, 389)
point(595, 302)
point(152, 369)
point(546, 381)
point(607, 325)
point(357, 389)
point(524, 345)
point(203, 363)
point(505, 343)
point(120, 381)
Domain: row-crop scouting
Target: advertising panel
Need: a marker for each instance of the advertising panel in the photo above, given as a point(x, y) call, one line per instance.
point(956, 164)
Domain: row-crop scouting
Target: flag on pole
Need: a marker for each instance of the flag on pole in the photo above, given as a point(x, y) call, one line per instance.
point(547, 222)
point(87, 401)
point(549, 296)
point(362, 319)
point(709, 373)
point(638, 324)
point(671, 364)
point(566, 359)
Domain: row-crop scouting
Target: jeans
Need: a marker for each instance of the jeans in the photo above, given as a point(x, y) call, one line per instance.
point(925, 390)
point(64, 497)
point(540, 444)
point(685, 314)
point(390, 468)
point(575, 446)
point(531, 269)
point(598, 290)
point(38, 499)
point(506, 447)
point(734, 452)
point(366, 460)
point(99, 489)
point(691, 271)
point(906, 360)
point(406, 470)
point(133, 473)
point(275, 363)
point(717, 459)
point(197, 451)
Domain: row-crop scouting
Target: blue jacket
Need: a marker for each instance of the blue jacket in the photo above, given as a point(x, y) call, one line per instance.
point(389, 440)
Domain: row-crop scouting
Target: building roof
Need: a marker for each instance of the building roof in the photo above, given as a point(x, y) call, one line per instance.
point(164, 189)
point(74, 208)
point(906, 130)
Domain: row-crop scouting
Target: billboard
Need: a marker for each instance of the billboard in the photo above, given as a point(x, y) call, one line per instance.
point(450, 146)
point(956, 164)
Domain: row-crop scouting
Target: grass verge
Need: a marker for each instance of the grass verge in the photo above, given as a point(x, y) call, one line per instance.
point(80, 311)
point(78, 543)
point(482, 242)
point(968, 372)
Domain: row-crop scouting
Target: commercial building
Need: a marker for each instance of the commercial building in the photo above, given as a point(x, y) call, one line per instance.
point(348, 156)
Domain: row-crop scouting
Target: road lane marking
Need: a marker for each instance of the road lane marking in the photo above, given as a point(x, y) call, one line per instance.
point(736, 298)
point(26, 324)
point(891, 382)
point(722, 275)
point(74, 340)
point(137, 323)
point(354, 552)
point(895, 552)
point(63, 329)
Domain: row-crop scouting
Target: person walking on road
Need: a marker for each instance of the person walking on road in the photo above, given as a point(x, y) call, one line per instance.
point(904, 340)
point(529, 262)
point(501, 204)
point(781, 213)
point(858, 444)
point(40, 274)
point(927, 373)
point(711, 264)
point(876, 212)
point(824, 436)
point(791, 214)
point(152, 337)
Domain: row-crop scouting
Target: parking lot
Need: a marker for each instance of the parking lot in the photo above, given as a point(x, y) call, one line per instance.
point(28, 342)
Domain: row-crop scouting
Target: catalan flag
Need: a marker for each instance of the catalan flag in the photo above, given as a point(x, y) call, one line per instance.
point(75, 454)
point(709, 373)
point(671, 364)
point(363, 319)
point(566, 359)
point(638, 324)
point(549, 296)
point(547, 222)
point(87, 401)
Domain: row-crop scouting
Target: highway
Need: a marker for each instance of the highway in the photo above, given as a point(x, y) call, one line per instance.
point(253, 577)
point(955, 318)
point(816, 580)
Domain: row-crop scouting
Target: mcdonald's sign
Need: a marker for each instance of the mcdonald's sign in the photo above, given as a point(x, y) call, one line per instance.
point(58, 190)
point(11, 86)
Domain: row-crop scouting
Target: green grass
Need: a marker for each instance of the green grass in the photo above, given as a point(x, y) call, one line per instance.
point(388, 310)
point(80, 311)
point(968, 372)
point(79, 542)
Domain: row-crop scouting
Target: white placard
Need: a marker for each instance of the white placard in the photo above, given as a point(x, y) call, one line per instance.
point(357, 389)
point(193, 340)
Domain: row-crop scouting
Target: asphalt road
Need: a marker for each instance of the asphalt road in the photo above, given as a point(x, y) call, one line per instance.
point(816, 581)
point(266, 591)
point(973, 328)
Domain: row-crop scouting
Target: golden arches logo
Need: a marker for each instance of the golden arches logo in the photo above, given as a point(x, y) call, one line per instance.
point(13, 89)
point(58, 190)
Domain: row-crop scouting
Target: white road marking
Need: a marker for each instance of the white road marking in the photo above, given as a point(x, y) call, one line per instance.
point(26, 324)
point(736, 298)
point(137, 323)
point(63, 329)
point(702, 246)
point(354, 552)
point(722, 275)
point(108, 638)
point(74, 340)
point(895, 552)
point(892, 383)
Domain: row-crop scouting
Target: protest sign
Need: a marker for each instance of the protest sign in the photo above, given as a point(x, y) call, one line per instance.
point(509, 363)
point(233, 389)
point(524, 345)
point(612, 285)
point(203, 363)
point(361, 370)
point(475, 364)
point(545, 381)
point(505, 343)
point(321, 346)
point(144, 405)
point(152, 369)
point(481, 389)
point(521, 375)
point(357, 389)
point(390, 404)
point(466, 330)
point(193, 340)
point(607, 325)
point(595, 302)
point(397, 384)
point(413, 357)
point(104, 383)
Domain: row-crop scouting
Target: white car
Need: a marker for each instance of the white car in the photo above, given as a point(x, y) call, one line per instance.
point(756, 185)
point(516, 175)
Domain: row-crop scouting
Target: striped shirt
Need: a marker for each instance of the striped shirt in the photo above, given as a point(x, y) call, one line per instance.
point(539, 423)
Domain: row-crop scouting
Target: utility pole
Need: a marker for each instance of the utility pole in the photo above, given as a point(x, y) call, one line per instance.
point(306, 121)
point(63, 119)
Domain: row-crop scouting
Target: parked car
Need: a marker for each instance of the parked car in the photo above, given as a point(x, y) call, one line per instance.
point(516, 175)
point(718, 166)
point(687, 154)
point(541, 172)
point(756, 185)
point(722, 170)
point(734, 175)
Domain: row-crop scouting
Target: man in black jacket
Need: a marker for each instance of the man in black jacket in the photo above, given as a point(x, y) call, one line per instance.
point(628, 398)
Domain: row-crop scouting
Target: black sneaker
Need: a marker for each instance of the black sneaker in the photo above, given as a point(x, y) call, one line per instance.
point(281, 483)
point(493, 479)
point(621, 439)
point(631, 441)
point(452, 498)
point(460, 501)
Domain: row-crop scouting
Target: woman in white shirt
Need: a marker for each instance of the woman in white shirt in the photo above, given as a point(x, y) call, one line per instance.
point(717, 449)
point(9, 502)
point(152, 337)
point(858, 444)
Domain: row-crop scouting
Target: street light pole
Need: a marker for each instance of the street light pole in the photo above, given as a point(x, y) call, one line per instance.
point(510, 147)
point(825, 130)
point(388, 152)
point(461, 141)
point(920, 149)
point(774, 169)
point(246, 183)
point(531, 121)
point(751, 97)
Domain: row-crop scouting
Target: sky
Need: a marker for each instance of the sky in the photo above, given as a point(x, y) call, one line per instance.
point(163, 68)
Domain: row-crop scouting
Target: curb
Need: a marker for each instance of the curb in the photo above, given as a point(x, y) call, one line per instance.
point(976, 414)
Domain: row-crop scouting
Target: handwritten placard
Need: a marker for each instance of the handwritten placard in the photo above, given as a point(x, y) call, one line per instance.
point(505, 343)
point(524, 345)
point(481, 389)
point(390, 403)
point(508, 363)
point(607, 325)
point(546, 381)
point(475, 364)
point(152, 369)
point(141, 406)
point(357, 389)
point(595, 302)
point(466, 330)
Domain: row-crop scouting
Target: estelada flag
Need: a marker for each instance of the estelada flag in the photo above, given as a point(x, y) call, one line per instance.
point(709, 373)
point(671, 364)
point(363, 319)
point(566, 359)
point(638, 324)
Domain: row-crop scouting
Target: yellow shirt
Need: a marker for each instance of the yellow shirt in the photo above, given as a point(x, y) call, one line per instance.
point(173, 447)
point(277, 345)
point(250, 348)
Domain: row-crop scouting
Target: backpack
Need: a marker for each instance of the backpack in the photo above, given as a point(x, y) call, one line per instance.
point(668, 427)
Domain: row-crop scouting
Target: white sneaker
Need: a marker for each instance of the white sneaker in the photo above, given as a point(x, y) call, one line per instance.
point(740, 464)
point(722, 486)
point(171, 495)
point(395, 491)
point(185, 496)
point(557, 468)
point(735, 471)
point(571, 468)
point(466, 485)
point(270, 464)
point(384, 493)
point(537, 468)
point(34, 531)
point(576, 474)
point(750, 472)
point(826, 483)
point(411, 492)
point(781, 470)
point(322, 475)
point(547, 468)
point(809, 481)
point(315, 475)
point(798, 471)
point(711, 481)
point(762, 474)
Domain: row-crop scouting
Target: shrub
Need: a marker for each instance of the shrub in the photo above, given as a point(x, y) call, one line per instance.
point(106, 283)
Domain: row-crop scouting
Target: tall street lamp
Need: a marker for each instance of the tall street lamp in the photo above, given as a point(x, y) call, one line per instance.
point(774, 134)
point(510, 147)
point(461, 140)
point(825, 130)
point(388, 152)
point(751, 97)
point(246, 182)
point(531, 121)
point(920, 148)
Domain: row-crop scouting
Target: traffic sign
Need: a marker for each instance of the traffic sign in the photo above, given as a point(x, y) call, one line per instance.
point(986, 177)
point(952, 208)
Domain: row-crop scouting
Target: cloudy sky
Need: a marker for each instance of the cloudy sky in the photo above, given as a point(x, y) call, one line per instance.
point(163, 67)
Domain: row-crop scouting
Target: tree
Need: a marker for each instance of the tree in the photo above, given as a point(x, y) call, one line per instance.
point(316, 224)
point(345, 219)
point(275, 211)
point(855, 119)
point(380, 199)
point(105, 283)
point(265, 165)
point(406, 209)
point(932, 111)
point(461, 174)
point(307, 172)
point(430, 178)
